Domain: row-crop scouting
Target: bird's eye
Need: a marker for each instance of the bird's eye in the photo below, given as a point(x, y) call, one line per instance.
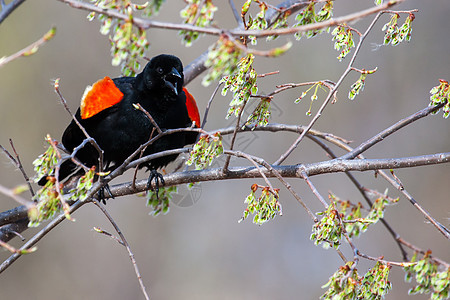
point(159, 70)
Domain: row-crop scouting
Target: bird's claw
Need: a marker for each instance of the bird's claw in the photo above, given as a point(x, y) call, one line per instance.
point(158, 178)
point(101, 193)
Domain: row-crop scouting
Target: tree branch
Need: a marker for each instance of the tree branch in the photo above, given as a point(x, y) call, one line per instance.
point(363, 192)
point(29, 50)
point(7, 9)
point(198, 65)
point(331, 93)
point(127, 246)
point(147, 24)
point(390, 130)
point(293, 171)
point(39, 235)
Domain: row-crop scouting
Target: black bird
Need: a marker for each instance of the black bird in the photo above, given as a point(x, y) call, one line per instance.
point(109, 117)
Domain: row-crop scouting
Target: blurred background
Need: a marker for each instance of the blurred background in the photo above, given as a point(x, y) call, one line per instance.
point(198, 250)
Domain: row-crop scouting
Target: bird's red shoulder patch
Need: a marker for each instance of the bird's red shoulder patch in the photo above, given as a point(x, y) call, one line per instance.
point(192, 108)
point(98, 97)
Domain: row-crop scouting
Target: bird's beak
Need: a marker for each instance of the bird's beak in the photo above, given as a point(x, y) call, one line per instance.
point(171, 80)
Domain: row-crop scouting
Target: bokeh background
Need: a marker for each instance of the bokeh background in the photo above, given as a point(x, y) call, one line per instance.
point(198, 250)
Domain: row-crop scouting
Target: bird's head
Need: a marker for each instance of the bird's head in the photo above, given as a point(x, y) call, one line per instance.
point(164, 75)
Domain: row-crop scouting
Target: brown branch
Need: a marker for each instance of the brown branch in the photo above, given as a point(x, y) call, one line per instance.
point(197, 67)
point(332, 92)
point(16, 161)
point(390, 130)
point(386, 262)
point(10, 231)
point(313, 188)
point(236, 14)
point(208, 106)
point(332, 166)
point(364, 194)
point(7, 9)
point(36, 238)
point(125, 243)
point(292, 171)
point(399, 186)
point(276, 127)
point(233, 138)
point(14, 250)
point(423, 252)
point(86, 134)
point(147, 24)
point(13, 215)
point(101, 231)
point(149, 116)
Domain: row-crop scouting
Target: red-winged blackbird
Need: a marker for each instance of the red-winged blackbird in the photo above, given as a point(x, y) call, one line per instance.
point(108, 115)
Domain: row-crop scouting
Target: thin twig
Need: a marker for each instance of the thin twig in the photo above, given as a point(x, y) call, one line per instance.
point(233, 138)
point(140, 156)
point(18, 164)
point(22, 170)
point(7, 9)
point(64, 204)
point(363, 192)
point(29, 50)
point(398, 185)
point(423, 252)
point(263, 53)
point(386, 262)
point(313, 121)
point(236, 14)
point(268, 74)
point(149, 116)
point(155, 126)
point(92, 141)
point(10, 193)
point(14, 250)
point(341, 255)
point(208, 106)
point(390, 130)
point(122, 237)
point(199, 11)
point(101, 231)
point(354, 250)
point(331, 93)
point(274, 127)
point(313, 189)
point(10, 231)
point(250, 158)
point(146, 24)
point(73, 157)
point(37, 237)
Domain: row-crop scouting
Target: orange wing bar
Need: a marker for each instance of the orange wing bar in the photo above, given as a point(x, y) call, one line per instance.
point(98, 97)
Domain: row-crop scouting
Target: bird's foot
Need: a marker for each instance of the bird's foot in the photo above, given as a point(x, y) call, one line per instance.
point(159, 181)
point(101, 193)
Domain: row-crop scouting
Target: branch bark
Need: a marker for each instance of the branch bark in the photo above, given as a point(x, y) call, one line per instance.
point(293, 171)
point(198, 65)
point(7, 9)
